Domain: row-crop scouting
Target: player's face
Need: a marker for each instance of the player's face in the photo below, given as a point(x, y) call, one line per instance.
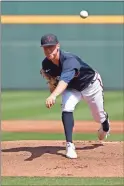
point(50, 51)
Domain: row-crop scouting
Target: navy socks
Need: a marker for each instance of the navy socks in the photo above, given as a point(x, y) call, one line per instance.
point(105, 124)
point(68, 123)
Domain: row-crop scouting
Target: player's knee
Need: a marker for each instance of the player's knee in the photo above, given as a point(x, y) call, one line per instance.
point(67, 108)
point(105, 125)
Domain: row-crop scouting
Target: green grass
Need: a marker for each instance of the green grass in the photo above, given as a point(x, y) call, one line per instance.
point(31, 105)
point(61, 181)
point(11, 136)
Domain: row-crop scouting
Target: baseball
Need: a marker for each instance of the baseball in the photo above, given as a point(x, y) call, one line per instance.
point(84, 14)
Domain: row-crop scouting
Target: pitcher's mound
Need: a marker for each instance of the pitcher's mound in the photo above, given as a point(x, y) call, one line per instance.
point(47, 158)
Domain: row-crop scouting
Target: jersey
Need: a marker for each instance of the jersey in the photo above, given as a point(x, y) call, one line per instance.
point(68, 62)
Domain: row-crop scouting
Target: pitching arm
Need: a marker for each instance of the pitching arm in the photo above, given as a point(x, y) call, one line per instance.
point(65, 78)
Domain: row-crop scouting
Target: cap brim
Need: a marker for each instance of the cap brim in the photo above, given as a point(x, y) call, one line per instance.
point(48, 45)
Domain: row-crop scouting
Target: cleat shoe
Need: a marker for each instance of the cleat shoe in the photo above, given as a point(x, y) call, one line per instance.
point(70, 150)
point(102, 134)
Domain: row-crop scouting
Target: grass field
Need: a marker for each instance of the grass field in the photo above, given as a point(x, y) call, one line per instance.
point(61, 181)
point(31, 105)
point(12, 136)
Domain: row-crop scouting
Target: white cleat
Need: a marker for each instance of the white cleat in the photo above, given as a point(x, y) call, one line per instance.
point(70, 150)
point(102, 134)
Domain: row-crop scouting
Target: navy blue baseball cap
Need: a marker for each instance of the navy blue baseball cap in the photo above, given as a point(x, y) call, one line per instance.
point(49, 40)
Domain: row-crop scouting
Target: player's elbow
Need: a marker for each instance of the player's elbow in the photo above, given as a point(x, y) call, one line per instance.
point(63, 83)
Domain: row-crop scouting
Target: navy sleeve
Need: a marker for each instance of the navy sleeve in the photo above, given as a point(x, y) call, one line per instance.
point(69, 68)
point(70, 64)
point(67, 76)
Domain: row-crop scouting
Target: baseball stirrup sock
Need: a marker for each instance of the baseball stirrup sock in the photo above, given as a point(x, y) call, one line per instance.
point(105, 125)
point(68, 123)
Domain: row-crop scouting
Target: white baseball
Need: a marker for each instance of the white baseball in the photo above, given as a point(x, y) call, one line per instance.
point(84, 14)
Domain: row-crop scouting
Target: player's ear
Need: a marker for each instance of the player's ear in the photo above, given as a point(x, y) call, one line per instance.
point(58, 45)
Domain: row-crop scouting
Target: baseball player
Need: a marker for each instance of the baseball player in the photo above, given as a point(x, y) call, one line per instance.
point(69, 76)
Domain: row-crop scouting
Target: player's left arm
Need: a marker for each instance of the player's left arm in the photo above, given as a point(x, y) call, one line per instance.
point(65, 78)
point(69, 69)
point(68, 73)
point(62, 85)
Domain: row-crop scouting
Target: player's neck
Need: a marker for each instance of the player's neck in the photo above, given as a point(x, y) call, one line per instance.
point(56, 62)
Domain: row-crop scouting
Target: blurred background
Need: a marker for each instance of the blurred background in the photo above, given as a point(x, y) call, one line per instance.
point(100, 45)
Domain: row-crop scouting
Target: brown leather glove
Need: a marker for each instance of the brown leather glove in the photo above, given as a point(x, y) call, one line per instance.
point(51, 81)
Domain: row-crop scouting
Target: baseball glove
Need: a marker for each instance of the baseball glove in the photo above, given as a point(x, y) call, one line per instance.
point(51, 81)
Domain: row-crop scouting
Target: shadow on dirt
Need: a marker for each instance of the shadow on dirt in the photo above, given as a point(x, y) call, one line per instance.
point(40, 150)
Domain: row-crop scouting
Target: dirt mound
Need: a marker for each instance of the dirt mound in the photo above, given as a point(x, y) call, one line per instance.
point(47, 158)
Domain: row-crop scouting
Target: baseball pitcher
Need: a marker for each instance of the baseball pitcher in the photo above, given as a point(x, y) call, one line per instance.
point(69, 76)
